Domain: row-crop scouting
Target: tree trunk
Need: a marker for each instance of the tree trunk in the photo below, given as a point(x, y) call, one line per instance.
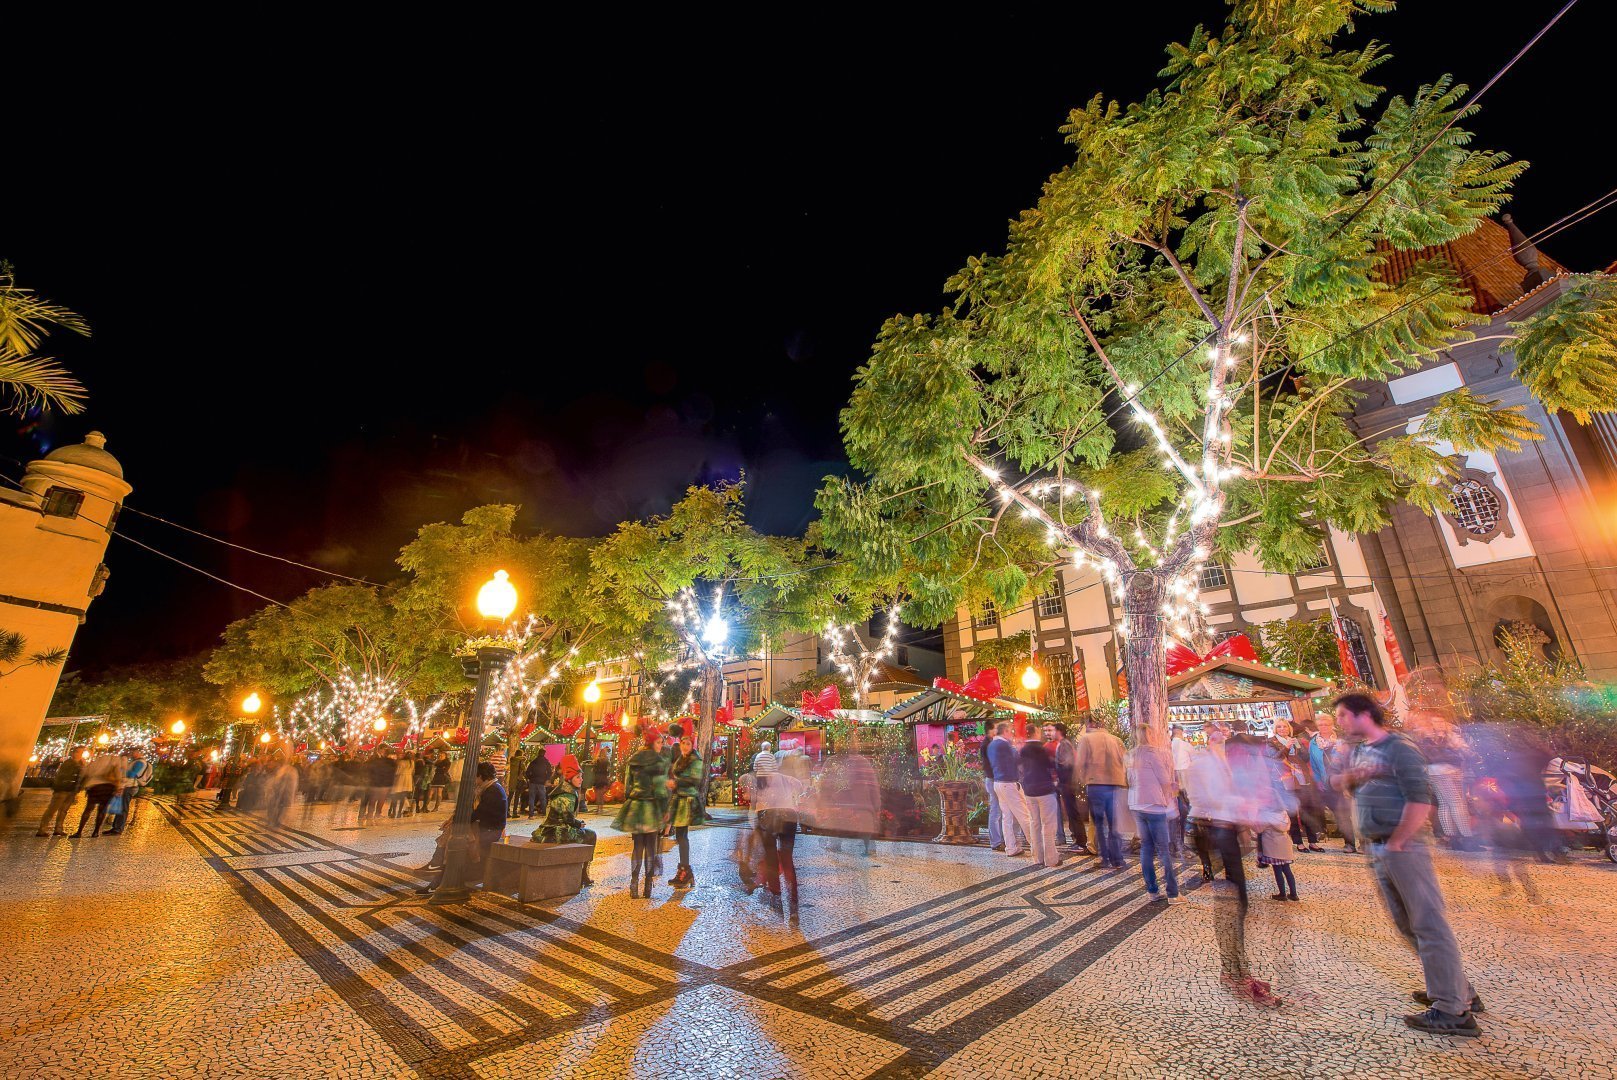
point(1144, 661)
point(707, 708)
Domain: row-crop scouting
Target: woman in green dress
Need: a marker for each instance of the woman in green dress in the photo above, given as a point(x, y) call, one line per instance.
point(686, 783)
point(645, 803)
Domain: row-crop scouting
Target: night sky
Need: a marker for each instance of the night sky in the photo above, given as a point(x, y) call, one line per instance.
point(348, 280)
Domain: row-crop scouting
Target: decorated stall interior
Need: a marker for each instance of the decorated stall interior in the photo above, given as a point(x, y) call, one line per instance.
point(1230, 684)
point(962, 715)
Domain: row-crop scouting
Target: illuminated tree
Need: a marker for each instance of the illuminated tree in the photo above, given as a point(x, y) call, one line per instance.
point(1209, 268)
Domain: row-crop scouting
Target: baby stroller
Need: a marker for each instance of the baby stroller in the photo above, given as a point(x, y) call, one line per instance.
point(1583, 802)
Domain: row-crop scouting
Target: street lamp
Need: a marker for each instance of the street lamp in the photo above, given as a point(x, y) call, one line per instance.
point(249, 707)
point(496, 600)
point(177, 728)
point(1031, 679)
point(592, 692)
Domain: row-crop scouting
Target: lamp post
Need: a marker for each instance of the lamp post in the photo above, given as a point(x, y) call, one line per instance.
point(249, 708)
point(496, 600)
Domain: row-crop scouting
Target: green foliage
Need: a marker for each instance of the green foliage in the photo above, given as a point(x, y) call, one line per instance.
point(1550, 695)
point(1566, 355)
point(34, 382)
point(812, 682)
point(1008, 654)
point(1252, 201)
point(333, 628)
point(147, 695)
point(1306, 645)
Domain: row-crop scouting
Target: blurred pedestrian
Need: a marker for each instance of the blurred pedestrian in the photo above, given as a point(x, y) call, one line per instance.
point(403, 786)
point(1038, 780)
point(765, 763)
point(102, 780)
point(1099, 762)
point(1154, 798)
point(1394, 799)
point(777, 818)
point(685, 785)
point(1065, 756)
point(280, 790)
point(136, 776)
point(1447, 758)
point(1296, 775)
point(64, 792)
point(1328, 757)
point(645, 798)
point(601, 776)
point(996, 813)
point(438, 788)
point(1180, 749)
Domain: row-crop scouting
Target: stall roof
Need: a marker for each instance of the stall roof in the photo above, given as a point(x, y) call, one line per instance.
point(938, 706)
point(1250, 669)
point(778, 716)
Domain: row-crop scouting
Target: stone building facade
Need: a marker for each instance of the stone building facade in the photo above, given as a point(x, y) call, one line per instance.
point(53, 536)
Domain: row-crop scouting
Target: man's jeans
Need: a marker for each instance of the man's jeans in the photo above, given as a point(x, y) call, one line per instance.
point(536, 797)
point(1103, 803)
point(996, 829)
point(1154, 841)
point(1409, 889)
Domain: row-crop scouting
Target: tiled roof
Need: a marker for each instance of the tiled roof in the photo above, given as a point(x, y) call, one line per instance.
point(1484, 262)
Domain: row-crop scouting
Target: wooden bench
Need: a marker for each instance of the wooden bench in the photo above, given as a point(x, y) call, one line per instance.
point(531, 871)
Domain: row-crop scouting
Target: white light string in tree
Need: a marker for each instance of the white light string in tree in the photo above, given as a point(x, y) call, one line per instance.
point(857, 661)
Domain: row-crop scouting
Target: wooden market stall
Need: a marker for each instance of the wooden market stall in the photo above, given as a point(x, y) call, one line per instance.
point(962, 714)
point(1231, 688)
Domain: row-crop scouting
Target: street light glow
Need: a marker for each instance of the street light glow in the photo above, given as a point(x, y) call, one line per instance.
point(252, 703)
point(379, 724)
point(177, 728)
point(716, 632)
point(497, 598)
point(264, 738)
point(1031, 679)
point(592, 692)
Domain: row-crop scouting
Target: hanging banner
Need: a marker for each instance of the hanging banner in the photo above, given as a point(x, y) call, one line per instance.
point(1399, 669)
point(1350, 670)
point(1080, 687)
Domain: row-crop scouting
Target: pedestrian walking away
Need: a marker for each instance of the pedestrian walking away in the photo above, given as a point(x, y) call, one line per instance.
point(1394, 800)
point(1154, 799)
point(537, 776)
point(1099, 761)
point(103, 779)
point(136, 777)
point(1038, 780)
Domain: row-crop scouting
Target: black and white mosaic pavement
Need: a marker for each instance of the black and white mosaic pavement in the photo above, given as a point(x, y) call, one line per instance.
point(202, 943)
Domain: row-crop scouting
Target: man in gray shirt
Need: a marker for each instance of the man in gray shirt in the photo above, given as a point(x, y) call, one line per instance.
point(1394, 799)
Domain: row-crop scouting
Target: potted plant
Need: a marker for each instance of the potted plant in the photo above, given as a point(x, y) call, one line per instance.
point(957, 779)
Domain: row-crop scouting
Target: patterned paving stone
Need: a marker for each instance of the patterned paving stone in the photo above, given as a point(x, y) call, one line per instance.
point(204, 943)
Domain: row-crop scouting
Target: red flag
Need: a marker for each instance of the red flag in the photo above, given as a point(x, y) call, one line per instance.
point(1399, 669)
point(1350, 670)
point(1080, 686)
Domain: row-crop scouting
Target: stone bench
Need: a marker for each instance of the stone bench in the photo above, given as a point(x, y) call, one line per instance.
point(533, 871)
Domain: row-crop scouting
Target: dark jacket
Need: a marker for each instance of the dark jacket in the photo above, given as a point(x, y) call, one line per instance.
point(1002, 757)
point(379, 771)
point(988, 766)
point(489, 813)
point(539, 770)
point(600, 771)
point(1038, 772)
point(67, 775)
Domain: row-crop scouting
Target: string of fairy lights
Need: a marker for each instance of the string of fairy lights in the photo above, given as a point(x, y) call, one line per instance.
point(857, 661)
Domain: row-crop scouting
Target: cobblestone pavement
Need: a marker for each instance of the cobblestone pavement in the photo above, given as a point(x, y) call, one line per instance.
point(203, 943)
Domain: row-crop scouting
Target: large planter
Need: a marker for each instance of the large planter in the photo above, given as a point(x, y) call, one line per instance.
point(955, 797)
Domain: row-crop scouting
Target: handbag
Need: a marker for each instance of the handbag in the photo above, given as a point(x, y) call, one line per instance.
point(115, 805)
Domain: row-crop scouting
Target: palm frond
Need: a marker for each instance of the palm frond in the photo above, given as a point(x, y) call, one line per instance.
point(25, 319)
point(11, 646)
point(37, 382)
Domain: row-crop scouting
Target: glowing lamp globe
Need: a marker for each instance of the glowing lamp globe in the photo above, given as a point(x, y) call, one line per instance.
point(716, 632)
point(265, 738)
point(497, 598)
point(213, 755)
point(379, 724)
point(32, 758)
point(1031, 679)
point(445, 734)
point(626, 721)
point(177, 728)
point(252, 703)
point(103, 738)
point(592, 692)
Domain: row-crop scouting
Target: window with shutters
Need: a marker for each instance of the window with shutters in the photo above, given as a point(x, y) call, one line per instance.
point(1052, 602)
point(62, 502)
point(1058, 680)
point(987, 618)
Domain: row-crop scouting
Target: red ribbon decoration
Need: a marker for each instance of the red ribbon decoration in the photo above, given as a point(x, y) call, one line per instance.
point(460, 736)
point(822, 704)
point(570, 726)
point(984, 686)
point(726, 715)
point(526, 730)
point(1182, 658)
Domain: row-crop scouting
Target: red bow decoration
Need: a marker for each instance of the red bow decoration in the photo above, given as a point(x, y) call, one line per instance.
point(527, 729)
point(822, 704)
point(983, 686)
point(460, 736)
point(726, 715)
point(570, 726)
point(1182, 658)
